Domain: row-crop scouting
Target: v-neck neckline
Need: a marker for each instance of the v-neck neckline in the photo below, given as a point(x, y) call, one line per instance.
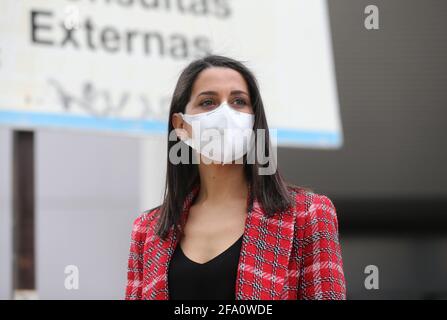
point(212, 259)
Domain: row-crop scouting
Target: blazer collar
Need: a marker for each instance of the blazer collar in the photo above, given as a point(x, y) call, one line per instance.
point(264, 257)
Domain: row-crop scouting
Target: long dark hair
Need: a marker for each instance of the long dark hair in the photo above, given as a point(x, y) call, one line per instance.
point(270, 190)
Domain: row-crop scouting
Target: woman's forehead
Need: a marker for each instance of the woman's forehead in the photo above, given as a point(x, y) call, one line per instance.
point(220, 80)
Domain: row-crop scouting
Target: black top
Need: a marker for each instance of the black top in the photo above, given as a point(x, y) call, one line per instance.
point(212, 280)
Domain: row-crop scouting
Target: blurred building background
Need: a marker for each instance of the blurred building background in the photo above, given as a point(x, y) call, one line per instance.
point(388, 182)
point(69, 198)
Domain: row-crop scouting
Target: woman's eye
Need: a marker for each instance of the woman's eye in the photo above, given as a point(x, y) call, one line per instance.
point(241, 102)
point(206, 103)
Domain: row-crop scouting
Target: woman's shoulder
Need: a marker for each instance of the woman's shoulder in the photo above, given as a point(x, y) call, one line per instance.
point(145, 219)
point(309, 203)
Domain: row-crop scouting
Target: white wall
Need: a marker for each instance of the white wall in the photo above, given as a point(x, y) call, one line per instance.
point(89, 189)
point(87, 195)
point(153, 170)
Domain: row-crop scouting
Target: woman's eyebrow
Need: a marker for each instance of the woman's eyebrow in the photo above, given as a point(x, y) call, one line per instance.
point(238, 92)
point(214, 93)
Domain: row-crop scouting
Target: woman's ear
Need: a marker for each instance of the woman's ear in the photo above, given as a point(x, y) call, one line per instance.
point(179, 126)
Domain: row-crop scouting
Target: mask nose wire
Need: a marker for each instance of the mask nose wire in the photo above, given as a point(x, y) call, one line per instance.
point(222, 105)
point(227, 120)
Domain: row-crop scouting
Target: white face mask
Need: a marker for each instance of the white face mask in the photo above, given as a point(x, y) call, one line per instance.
point(222, 134)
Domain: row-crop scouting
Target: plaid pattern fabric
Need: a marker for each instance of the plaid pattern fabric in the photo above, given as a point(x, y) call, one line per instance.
point(292, 255)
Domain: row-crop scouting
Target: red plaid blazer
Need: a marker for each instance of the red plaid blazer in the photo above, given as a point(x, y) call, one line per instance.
point(295, 254)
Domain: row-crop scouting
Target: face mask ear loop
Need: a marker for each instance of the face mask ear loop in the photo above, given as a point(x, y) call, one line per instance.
point(185, 117)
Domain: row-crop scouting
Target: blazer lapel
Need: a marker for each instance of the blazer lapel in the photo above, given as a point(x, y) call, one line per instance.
point(263, 262)
point(160, 252)
point(265, 254)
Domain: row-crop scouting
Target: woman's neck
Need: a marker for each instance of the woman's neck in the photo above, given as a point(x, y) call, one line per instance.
point(220, 183)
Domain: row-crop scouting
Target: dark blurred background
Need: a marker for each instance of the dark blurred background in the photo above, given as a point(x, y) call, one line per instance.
point(389, 180)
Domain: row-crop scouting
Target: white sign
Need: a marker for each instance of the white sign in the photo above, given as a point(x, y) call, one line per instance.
point(112, 65)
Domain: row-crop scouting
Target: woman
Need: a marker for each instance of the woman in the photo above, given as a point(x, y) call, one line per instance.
point(225, 231)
